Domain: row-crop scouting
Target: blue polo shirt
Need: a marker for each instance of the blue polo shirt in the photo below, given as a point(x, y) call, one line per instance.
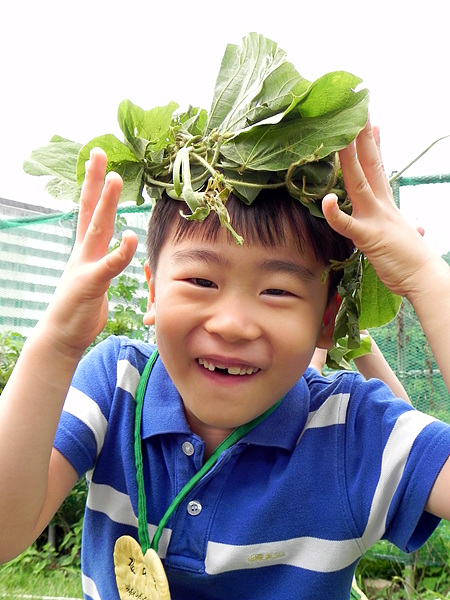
point(285, 513)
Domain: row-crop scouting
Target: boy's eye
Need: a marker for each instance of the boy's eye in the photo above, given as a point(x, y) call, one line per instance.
point(275, 292)
point(206, 283)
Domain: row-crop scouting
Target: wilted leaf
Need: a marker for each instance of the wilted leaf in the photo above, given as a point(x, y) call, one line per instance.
point(340, 355)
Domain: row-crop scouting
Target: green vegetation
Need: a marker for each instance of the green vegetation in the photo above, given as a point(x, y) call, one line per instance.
point(19, 578)
point(424, 574)
point(10, 346)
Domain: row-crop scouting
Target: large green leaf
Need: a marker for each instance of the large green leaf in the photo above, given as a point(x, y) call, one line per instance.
point(141, 127)
point(122, 160)
point(254, 83)
point(331, 92)
point(58, 160)
point(378, 304)
point(275, 147)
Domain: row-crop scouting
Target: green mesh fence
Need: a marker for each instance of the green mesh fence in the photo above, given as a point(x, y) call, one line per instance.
point(33, 254)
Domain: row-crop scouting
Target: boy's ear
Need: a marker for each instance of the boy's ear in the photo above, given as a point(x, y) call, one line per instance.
point(327, 329)
point(149, 317)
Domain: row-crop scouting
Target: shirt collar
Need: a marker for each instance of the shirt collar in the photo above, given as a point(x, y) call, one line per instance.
point(163, 408)
point(163, 413)
point(283, 427)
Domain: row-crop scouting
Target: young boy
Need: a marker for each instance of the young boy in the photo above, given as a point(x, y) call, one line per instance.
point(287, 510)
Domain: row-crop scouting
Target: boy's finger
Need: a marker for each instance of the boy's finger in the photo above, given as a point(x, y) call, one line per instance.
point(101, 225)
point(363, 171)
point(369, 157)
point(117, 260)
point(377, 138)
point(355, 179)
point(91, 190)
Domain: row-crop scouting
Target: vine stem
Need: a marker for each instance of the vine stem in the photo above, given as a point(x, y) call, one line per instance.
point(235, 182)
point(399, 173)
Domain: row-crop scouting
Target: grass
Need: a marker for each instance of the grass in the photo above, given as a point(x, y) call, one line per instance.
point(16, 580)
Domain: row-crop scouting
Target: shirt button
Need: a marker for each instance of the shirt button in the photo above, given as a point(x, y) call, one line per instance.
point(194, 508)
point(187, 448)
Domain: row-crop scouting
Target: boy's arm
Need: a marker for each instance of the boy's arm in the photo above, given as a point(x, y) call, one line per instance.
point(401, 258)
point(34, 479)
point(374, 364)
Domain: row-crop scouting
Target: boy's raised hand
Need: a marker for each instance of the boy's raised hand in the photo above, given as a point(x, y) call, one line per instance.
point(405, 263)
point(78, 310)
point(394, 248)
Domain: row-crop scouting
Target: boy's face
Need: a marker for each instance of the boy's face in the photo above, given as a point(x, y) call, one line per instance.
point(236, 326)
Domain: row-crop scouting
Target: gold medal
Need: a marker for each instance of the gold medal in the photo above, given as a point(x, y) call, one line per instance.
point(139, 577)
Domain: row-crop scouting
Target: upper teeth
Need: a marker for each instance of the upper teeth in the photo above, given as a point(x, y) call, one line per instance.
point(231, 370)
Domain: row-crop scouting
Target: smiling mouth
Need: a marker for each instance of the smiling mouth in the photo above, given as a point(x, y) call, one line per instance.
point(232, 370)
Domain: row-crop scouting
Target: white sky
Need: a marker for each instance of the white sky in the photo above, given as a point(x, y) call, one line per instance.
point(65, 67)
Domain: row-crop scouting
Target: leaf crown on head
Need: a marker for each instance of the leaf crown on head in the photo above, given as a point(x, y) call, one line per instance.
point(268, 127)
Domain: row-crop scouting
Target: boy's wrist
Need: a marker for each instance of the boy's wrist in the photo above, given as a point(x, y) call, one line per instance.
point(54, 340)
point(430, 282)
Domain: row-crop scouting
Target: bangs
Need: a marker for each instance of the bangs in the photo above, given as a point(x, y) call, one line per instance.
point(259, 224)
point(270, 221)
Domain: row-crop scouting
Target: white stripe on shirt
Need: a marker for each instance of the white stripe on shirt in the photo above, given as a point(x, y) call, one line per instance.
point(117, 506)
point(310, 553)
point(89, 587)
point(396, 452)
point(332, 412)
point(127, 376)
point(88, 412)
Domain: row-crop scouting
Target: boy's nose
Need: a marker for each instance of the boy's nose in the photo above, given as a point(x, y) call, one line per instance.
point(234, 320)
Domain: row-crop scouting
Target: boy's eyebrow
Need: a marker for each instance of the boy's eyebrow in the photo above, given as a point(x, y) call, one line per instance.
point(269, 265)
point(199, 255)
point(289, 267)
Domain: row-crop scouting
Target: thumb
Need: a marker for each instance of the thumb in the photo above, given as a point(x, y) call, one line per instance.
point(336, 218)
